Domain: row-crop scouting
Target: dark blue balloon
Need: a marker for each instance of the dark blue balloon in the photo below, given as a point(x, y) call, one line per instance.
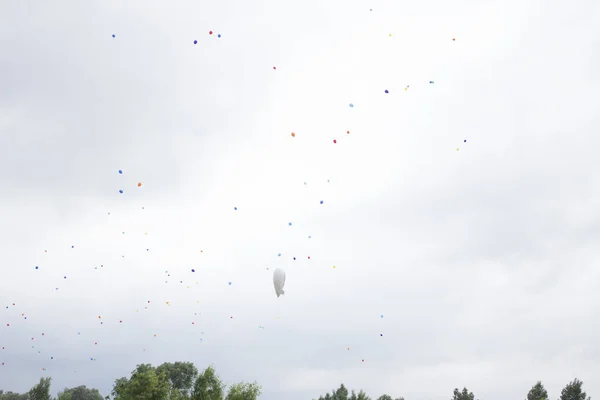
point(386, 91)
point(113, 35)
point(195, 41)
point(321, 201)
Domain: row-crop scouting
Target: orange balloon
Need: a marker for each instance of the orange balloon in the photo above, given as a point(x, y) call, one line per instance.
point(348, 132)
point(293, 134)
point(139, 184)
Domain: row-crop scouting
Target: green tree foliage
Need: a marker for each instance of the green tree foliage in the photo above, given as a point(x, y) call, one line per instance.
point(208, 386)
point(464, 395)
point(41, 391)
point(573, 391)
point(360, 396)
point(145, 384)
point(181, 375)
point(342, 394)
point(244, 391)
point(13, 396)
point(80, 393)
point(537, 392)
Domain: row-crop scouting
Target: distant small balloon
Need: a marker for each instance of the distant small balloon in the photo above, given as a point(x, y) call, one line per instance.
point(219, 35)
point(120, 171)
point(431, 82)
point(274, 68)
point(235, 208)
point(334, 141)
point(210, 32)
point(36, 267)
point(195, 41)
point(139, 184)
point(278, 255)
point(293, 134)
point(121, 191)
point(193, 270)
point(465, 141)
point(351, 105)
point(229, 283)
point(113, 35)
point(381, 315)
point(387, 91)
point(289, 224)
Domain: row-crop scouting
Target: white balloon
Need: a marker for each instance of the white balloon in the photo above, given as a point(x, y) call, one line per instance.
point(279, 281)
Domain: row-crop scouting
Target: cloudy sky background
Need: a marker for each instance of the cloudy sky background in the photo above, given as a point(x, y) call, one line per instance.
point(483, 261)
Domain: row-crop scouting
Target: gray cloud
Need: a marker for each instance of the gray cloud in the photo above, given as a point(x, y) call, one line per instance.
point(481, 260)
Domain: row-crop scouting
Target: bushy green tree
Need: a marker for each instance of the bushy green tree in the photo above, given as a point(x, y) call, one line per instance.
point(145, 384)
point(80, 393)
point(537, 392)
point(182, 376)
point(41, 390)
point(208, 386)
point(464, 395)
point(244, 391)
point(573, 391)
point(13, 396)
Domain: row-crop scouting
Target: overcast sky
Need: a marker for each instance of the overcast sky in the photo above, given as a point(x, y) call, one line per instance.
point(482, 256)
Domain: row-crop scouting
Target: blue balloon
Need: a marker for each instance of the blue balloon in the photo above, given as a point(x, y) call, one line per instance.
point(386, 91)
point(321, 201)
point(289, 223)
point(120, 191)
point(351, 105)
point(113, 35)
point(219, 35)
point(235, 208)
point(229, 283)
point(195, 41)
point(120, 171)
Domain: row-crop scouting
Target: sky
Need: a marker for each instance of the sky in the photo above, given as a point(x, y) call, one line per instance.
point(456, 245)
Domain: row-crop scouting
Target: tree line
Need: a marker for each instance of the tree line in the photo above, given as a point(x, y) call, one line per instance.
point(182, 381)
point(572, 391)
point(168, 381)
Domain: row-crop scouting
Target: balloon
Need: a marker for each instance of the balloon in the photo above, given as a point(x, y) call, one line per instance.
point(279, 281)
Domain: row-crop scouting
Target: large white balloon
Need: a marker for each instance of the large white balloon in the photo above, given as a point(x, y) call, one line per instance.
point(279, 281)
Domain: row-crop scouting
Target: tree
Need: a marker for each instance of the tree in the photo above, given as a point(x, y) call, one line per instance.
point(341, 393)
point(13, 396)
point(385, 397)
point(361, 396)
point(244, 391)
point(181, 375)
point(145, 384)
point(537, 392)
point(573, 391)
point(80, 393)
point(208, 386)
point(464, 395)
point(41, 391)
